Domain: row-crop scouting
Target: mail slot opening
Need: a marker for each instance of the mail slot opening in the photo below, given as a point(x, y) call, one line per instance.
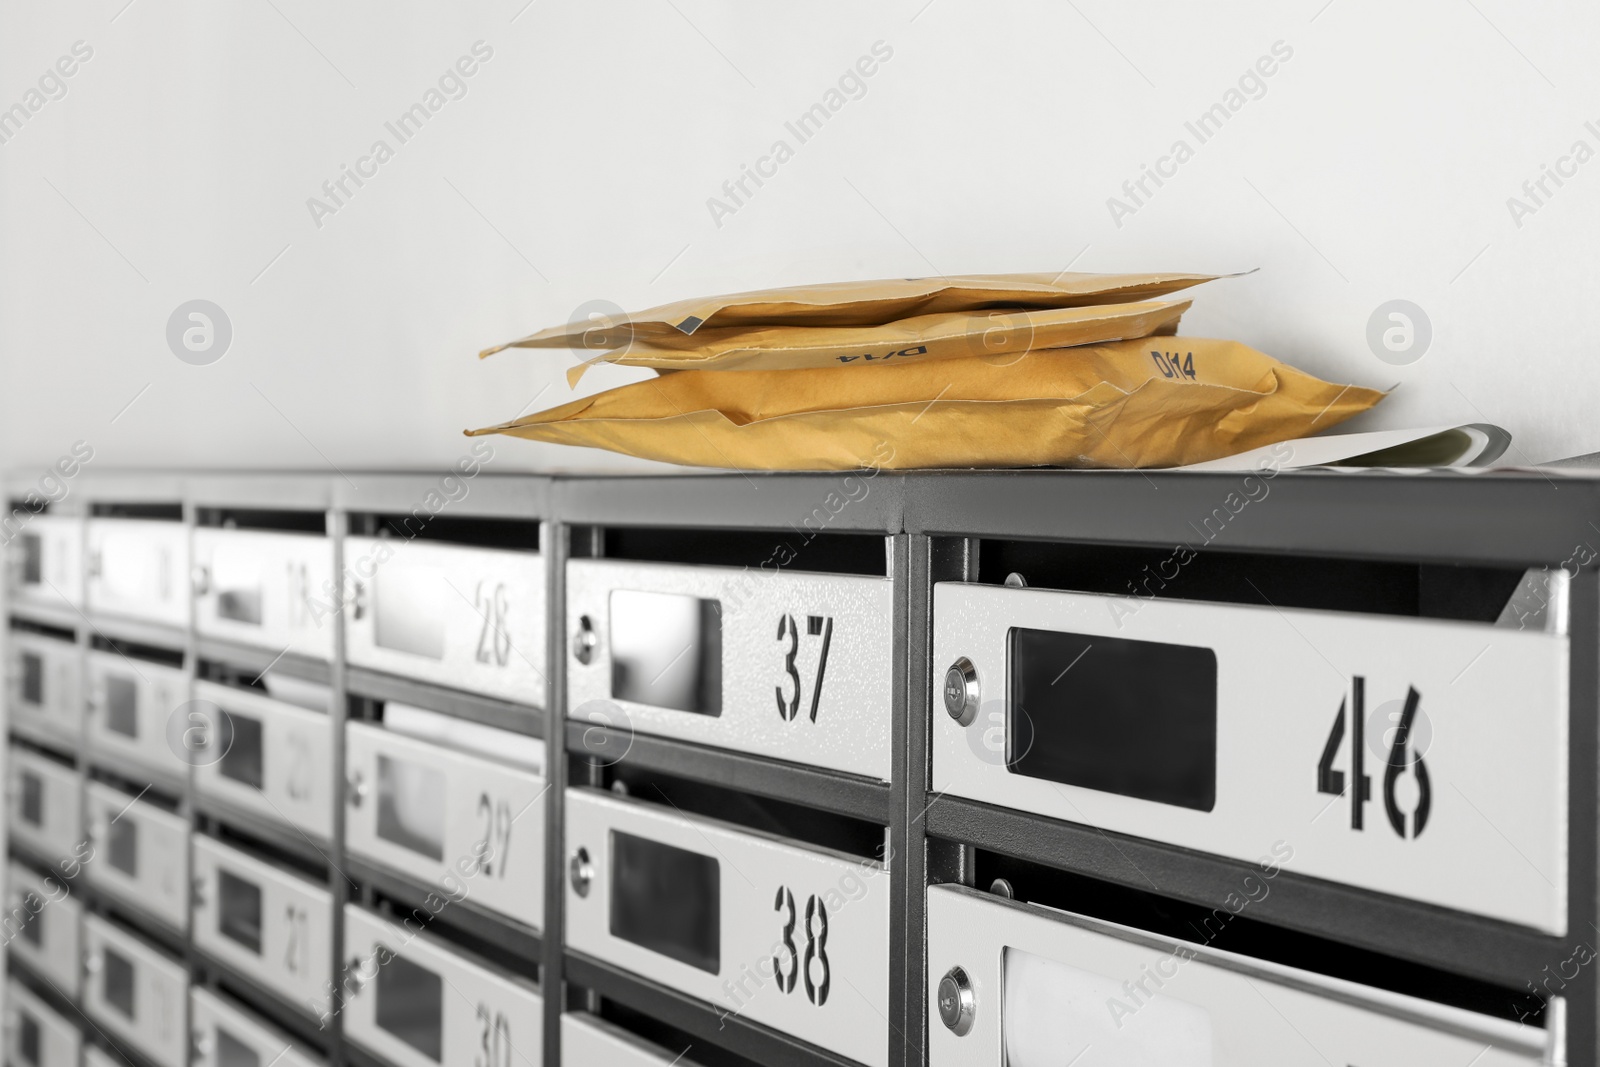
point(231, 1052)
point(673, 1045)
point(459, 927)
point(1194, 571)
point(409, 1003)
point(1135, 718)
point(285, 521)
point(823, 829)
point(1231, 927)
point(457, 733)
point(798, 548)
point(137, 652)
point(150, 510)
point(666, 650)
point(28, 1039)
point(667, 899)
point(420, 524)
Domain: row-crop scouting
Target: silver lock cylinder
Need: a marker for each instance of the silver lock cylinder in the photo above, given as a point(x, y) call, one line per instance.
point(584, 641)
point(958, 1004)
point(581, 872)
point(961, 691)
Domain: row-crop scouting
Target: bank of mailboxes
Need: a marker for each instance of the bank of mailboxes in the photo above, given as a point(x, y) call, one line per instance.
point(129, 704)
point(141, 853)
point(796, 938)
point(417, 1001)
point(1398, 755)
point(48, 938)
point(227, 1034)
point(266, 589)
point(1027, 986)
point(44, 687)
point(263, 920)
point(465, 617)
point(44, 805)
point(45, 565)
point(276, 758)
point(36, 1034)
point(135, 991)
point(787, 665)
point(429, 806)
point(138, 568)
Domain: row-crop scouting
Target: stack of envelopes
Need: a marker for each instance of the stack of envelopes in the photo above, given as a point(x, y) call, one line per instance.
point(1000, 370)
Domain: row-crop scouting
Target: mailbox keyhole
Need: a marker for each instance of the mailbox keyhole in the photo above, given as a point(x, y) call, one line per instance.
point(581, 872)
point(584, 641)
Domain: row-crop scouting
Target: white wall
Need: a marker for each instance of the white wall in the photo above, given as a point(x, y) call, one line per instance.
point(1377, 165)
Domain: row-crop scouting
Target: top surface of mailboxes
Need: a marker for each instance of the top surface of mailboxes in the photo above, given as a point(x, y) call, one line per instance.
point(463, 616)
point(269, 589)
point(794, 666)
point(1396, 754)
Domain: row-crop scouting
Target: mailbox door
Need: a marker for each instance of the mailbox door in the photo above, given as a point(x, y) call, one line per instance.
point(712, 910)
point(1395, 754)
point(469, 825)
point(458, 616)
point(1026, 986)
point(792, 666)
point(418, 1002)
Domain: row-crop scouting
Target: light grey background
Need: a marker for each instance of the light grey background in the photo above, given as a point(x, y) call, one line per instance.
point(1376, 165)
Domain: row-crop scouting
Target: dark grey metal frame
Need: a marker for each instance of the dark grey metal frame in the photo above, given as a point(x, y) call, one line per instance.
point(934, 524)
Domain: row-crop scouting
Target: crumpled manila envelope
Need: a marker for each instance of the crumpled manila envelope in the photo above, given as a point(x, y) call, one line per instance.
point(859, 304)
point(945, 335)
point(1148, 402)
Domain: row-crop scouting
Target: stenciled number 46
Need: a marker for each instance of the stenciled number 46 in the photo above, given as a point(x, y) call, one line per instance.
point(1401, 755)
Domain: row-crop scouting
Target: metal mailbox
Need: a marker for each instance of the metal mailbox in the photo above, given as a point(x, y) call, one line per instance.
point(45, 690)
point(45, 810)
point(1394, 754)
point(589, 1041)
point(45, 566)
point(41, 924)
point(793, 666)
point(469, 618)
point(261, 919)
point(36, 1034)
point(468, 823)
point(141, 853)
point(135, 991)
point(226, 1034)
point(266, 589)
point(417, 1001)
point(277, 759)
point(1024, 986)
point(130, 703)
point(139, 568)
point(791, 936)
